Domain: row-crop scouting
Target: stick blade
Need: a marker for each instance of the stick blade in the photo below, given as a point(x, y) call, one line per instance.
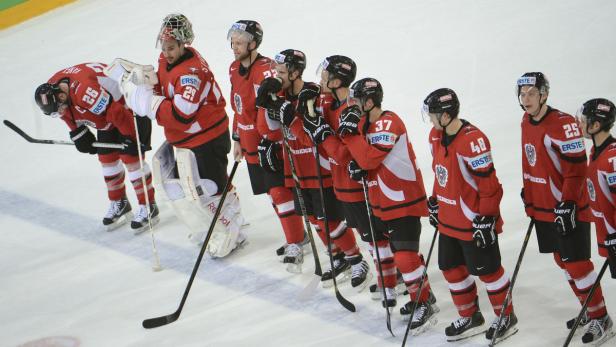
point(344, 302)
point(160, 321)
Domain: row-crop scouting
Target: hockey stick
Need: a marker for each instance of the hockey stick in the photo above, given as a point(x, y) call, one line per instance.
point(30, 139)
point(421, 284)
point(378, 257)
point(170, 318)
point(586, 302)
point(315, 150)
point(513, 278)
point(156, 266)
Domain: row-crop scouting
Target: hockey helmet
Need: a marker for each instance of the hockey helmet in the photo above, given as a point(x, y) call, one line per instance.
point(249, 28)
point(340, 67)
point(367, 88)
point(293, 59)
point(598, 110)
point(535, 79)
point(442, 100)
point(45, 97)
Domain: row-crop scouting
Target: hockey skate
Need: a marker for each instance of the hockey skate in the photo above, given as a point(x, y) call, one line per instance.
point(400, 288)
point(390, 295)
point(280, 251)
point(294, 257)
point(504, 329)
point(583, 322)
point(117, 215)
point(599, 331)
point(465, 327)
point(423, 319)
point(141, 223)
point(360, 272)
point(342, 269)
point(405, 310)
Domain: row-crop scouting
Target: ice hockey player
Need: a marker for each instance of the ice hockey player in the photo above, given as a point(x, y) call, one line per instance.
point(184, 98)
point(465, 207)
point(596, 118)
point(82, 96)
point(554, 169)
point(384, 158)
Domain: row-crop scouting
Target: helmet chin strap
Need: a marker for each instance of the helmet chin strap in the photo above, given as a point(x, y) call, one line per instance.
point(441, 124)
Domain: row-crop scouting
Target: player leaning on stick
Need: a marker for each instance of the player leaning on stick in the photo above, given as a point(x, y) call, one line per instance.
point(82, 96)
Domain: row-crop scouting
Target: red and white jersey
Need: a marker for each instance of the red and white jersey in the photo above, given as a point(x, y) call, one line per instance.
point(601, 186)
point(346, 189)
point(396, 187)
point(193, 112)
point(301, 147)
point(95, 100)
point(553, 165)
point(244, 87)
point(465, 182)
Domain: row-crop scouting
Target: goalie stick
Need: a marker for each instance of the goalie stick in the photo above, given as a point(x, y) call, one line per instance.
point(31, 139)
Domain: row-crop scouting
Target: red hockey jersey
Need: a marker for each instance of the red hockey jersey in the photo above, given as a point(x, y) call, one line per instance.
point(553, 165)
point(95, 99)
point(465, 182)
point(244, 89)
point(601, 186)
point(194, 110)
point(339, 156)
point(396, 186)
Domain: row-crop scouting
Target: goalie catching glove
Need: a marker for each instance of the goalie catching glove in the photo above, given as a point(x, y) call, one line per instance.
point(140, 98)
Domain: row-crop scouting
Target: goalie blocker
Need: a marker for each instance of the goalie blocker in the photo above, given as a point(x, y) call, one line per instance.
point(193, 203)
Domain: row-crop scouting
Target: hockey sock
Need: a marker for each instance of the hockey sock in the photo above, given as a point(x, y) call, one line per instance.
point(409, 264)
point(292, 224)
point(497, 284)
point(584, 276)
point(315, 224)
point(342, 236)
point(114, 179)
point(135, 177)
point(463, 290)
point(387, 264)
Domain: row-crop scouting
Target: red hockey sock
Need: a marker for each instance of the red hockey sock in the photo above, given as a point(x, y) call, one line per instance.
point(114, 179)
point(292, 224)
point(135, 177)
point(497, 285)
point(583, 274)
point(463, 290)
point(387, 264)
point(409, 264)
point(342, 237)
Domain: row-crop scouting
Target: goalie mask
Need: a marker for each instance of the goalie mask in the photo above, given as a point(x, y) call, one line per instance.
point(175, 26)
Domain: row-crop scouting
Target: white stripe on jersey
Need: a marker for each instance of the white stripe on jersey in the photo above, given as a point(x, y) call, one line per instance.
point(465, 173)
point(602, 178)
point(184, 106)
point(547, 143)
point(555, 191)
point(399, 162)
point(395, 195)
point(468, 213)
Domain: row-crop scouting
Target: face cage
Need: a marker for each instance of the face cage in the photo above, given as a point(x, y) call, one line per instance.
point(166, 32)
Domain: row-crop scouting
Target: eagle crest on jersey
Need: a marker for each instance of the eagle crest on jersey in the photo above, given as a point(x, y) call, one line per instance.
point(591, 190)
point(237, 99)
point(441, 175)
point(531, 154)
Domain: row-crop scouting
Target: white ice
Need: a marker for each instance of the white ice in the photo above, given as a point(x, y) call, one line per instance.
point(61, 276)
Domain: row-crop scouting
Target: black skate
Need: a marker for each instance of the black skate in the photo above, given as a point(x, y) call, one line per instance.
point(424, 317)
point(506, 328)
point(306, 241)
point(341, 269)
point(465, 327)
point(360, 272)
point(599, 331)
point(140, 223)
point(585, 320)
point(405, 310)
point(294, 257)
point(117, 215)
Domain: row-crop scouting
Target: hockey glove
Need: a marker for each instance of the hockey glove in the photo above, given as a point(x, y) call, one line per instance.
point(131, 148)
point(269, 86)
point(140, 98)
point(483, 233)
point(433, 210)
point(355, 171)
point(610, 245)
point(349, 121)
point(268, 156)
point(83, 138)
point(309, 91)
point(317, 128)
point(565, 217)
point(281, 110)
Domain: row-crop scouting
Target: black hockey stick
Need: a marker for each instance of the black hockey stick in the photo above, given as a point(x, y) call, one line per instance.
point(170, 318)
point(315, 150)
point(513, 278)
point(30, 139)
point(378, 257)
point(585, 306)
point(421, 284)
point(317, 263)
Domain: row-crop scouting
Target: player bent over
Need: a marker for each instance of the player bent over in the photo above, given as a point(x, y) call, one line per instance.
point(465, 207)
point(184, 98)
point(82, 96)
point(554, 170)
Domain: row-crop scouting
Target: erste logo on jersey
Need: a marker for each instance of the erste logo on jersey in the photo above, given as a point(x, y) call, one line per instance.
point(572, 146)
point(441, 175)
point(382, 138)
point(531, 154)
point(237, 100)
point(101, 105)
point(611, 178)
point(481, 161)
point(591, 189)
point(190, 80)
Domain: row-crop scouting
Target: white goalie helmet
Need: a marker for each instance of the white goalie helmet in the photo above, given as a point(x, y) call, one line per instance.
point(175, 26)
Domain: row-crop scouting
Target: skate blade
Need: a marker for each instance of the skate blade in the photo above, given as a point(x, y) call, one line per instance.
point(119, 222)
point(478, 330)
point(294, 268)
point(430, 323)
point(512, 331)
point(146, 227)
point(608, 335)
point(310, 289)
point(359, 288)
point(341, 278)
